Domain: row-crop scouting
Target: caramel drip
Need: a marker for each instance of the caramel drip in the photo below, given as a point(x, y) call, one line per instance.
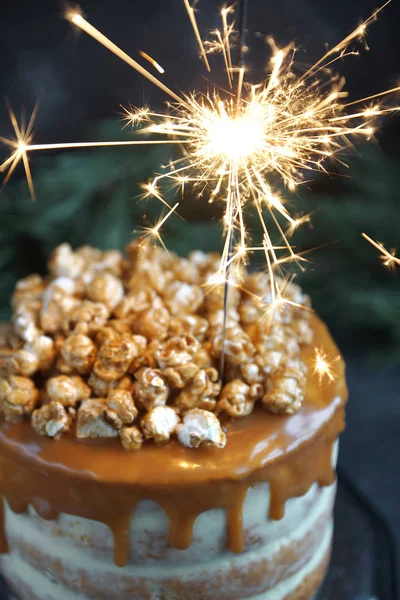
point(235, 521)
point(181, 533)
point(99, 480)
point(120, 527)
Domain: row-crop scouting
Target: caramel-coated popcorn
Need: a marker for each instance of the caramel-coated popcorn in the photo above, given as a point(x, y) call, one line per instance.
point(106, 289)
point(87, 316)
point(51, 419)
point(181, 297)
point(201, 392)
point(176, 351)
point(151, 388)
point(238, 399)
point(101, 388)
point(285, 389)
point(130, 348)
point(159, 424)
point(79, 352)
point(68, 391)
point(114, 358)
point(201, 427)
point(19, 396)
point(131, 438)
point(120, 408)
point(91, 422)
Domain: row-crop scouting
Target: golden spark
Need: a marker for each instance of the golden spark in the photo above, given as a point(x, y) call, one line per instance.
point(323, 366)
point(233, 141)
point(389, 259)
point(151, 60)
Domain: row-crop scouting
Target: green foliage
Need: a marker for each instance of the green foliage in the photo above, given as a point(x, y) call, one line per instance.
point(93, 197)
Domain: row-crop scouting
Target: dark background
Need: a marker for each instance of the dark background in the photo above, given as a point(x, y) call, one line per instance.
point(90, 196)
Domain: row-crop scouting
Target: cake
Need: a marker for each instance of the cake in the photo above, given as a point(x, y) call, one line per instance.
point(128, 469)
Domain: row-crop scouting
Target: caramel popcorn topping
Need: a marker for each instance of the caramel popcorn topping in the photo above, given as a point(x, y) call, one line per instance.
point(130, 348)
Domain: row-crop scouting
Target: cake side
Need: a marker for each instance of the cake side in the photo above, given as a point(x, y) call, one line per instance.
point(78, 562)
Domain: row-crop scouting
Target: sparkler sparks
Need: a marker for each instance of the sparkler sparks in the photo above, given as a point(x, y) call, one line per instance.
point(233, 141)
point(323, 366)
point(389, 259)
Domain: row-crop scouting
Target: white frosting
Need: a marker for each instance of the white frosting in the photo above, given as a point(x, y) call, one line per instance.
point(70, 542)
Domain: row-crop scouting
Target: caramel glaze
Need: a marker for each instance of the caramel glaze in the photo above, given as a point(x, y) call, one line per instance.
point(99, 480)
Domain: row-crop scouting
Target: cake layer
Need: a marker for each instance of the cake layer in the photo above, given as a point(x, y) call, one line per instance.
point(278, 556)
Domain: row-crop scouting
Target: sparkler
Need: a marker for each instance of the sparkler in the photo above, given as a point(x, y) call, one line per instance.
point(323, 366)
point(233, 141)
point(389, 259)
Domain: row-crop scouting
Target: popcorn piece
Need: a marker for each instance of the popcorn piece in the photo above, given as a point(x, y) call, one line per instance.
point(303, 331)
point(201, 392)
point(114, 358)
point(216, 319)
point(114, 329)
point(58, 302)
point(159, 424)
point(131, 438)
point(252, 373)
point(151, 388)
point(189, 325)
point(185, 270)
point(202, 358)
point(91, 422)
point(29, 289)
point(101, 388)
point(26, 322)
point(87, 316)
point(153, 323)
point(277, 338)
point(120, 408)
point(181, 297)
point(52, 420)
point(43, 349)
point(180, 375)
point(176, 351)
point(250, 311)
point(205, 263)
point(200, 427)
point(285, 390)
point(111, 261)
point(137, 301)
point(238, 399)
point(67, 391)
point(106, 289)
point(79, 352)
point(17, 362)
point(19, 398)
point(64, 262)
point(238, 347)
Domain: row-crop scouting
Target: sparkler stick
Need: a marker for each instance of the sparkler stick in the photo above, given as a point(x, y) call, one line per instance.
point(236, 193)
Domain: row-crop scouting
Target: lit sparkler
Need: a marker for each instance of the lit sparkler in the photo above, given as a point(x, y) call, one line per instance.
point(234, 140)
point(323, 366)
point(389, 259)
